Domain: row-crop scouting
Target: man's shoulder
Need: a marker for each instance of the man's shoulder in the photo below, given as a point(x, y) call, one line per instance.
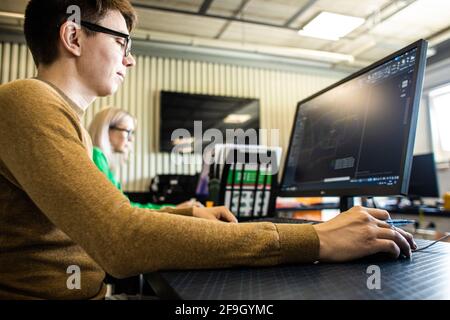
point(24, 86)
point(28, 93)
point(33, 102)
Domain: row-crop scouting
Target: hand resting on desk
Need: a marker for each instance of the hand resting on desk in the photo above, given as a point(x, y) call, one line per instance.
point(360, 232)
point(215, 213)
point(189, 204)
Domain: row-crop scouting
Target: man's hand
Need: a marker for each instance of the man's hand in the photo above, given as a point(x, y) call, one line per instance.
point(189, 204)
point(360, 232)
point(214, 213)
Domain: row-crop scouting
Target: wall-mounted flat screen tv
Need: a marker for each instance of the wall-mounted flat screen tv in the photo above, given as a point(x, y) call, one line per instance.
point(235, 118)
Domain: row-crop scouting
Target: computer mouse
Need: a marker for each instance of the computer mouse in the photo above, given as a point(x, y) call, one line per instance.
point(384, 256)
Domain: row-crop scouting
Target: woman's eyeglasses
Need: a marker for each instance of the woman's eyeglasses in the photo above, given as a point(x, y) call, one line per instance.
point(130, 133)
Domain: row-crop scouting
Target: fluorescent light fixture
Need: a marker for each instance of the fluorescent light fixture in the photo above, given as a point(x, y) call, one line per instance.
point(186, 150)
point(237, 118)
point(13, 15)
point(431, 52)
point(331, 26)
point(179, 141)
point(443, 90)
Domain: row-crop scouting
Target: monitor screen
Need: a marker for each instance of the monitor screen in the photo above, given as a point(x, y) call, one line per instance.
point(356, 137)
point(423, 181)
point(201, 115)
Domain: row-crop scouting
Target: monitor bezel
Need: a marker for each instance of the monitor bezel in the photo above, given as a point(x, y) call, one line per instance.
point(407, 154)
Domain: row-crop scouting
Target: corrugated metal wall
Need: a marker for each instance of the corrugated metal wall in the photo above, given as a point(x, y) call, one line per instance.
point(278, 91)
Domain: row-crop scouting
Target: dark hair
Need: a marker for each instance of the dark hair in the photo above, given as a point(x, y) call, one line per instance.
point(43, 19)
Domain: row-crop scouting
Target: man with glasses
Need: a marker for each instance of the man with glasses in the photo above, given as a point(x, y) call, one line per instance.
point(63, 224)
point(125, 44)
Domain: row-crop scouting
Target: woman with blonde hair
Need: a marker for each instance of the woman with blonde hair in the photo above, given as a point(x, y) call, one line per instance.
point(112, 132)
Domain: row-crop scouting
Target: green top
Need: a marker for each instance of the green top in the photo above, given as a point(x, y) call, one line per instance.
point(102, 164)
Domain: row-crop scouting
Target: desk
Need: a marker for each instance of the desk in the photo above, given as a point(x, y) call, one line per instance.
point(426, 276)
point(442, 224)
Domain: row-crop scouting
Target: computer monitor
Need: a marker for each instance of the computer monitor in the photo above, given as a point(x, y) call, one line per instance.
point(356, 137)
point(203, 113)
point(423, 182)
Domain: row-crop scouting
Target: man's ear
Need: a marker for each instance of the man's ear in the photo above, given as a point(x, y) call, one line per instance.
point(69, 34)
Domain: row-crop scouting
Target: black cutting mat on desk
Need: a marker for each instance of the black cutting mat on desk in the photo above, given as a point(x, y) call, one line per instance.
point(425, 276)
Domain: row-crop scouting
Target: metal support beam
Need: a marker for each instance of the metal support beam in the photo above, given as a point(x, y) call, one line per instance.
point(235, 14)
point(300, 12)
point(214, 16)
point(205, 6)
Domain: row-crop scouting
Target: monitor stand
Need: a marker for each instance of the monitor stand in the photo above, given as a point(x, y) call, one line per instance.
point(345, 203)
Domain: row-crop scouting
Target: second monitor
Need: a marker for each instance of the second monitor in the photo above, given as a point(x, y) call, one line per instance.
point(424, 181)
point(356, 137)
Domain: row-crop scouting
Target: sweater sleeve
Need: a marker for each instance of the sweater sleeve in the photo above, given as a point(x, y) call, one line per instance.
point(41, 147)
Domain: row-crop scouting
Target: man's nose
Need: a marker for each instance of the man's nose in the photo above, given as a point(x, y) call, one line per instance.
point(129, 61)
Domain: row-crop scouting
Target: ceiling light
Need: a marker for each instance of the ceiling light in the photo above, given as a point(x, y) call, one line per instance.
point(14, 15)
point(237, 118)
point(331, 26)
point(185, 150)
point(180, 141)
point(431, 52)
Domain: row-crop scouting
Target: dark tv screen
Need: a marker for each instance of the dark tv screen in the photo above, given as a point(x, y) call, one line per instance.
point(182, 110)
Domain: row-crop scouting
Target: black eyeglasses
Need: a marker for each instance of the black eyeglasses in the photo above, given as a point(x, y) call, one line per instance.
point(130, 133)
point(96, 28)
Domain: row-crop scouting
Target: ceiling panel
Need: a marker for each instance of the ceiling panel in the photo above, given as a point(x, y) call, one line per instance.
point(224, 8)
point(179, 24)
point(273, 11)
point(13, 5)
point(421, 19)
point(188, 5)
point(382, 49)
point(357, 46)
point(348, 7)
point(268, 35)
point(360, 8)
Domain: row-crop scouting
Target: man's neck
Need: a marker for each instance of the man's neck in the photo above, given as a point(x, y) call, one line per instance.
point(69, 85)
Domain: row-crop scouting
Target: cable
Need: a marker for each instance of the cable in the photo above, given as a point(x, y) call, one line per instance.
point(431, 244)
point(374, 204)
point(141, 286)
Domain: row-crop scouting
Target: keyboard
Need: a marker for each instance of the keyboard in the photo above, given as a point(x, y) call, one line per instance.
point(416, 210)
point(283, 220)
point(319, 206)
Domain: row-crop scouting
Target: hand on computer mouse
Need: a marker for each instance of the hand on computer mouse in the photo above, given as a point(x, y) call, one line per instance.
point(383, 256)
point(360, 232)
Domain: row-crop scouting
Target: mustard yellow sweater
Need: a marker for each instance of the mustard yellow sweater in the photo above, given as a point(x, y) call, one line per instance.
point(58, 210)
